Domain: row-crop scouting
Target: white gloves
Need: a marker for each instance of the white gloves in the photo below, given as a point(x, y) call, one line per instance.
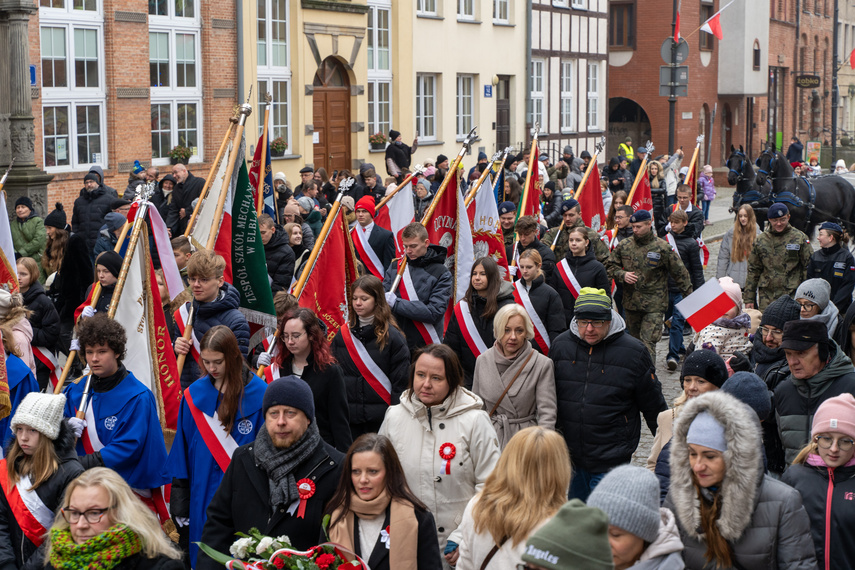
point(513, 270)
point(264, 359)
point(77, 425)
point(391, 298)
point(75, 345)
point(88, 311)
point(181, 521)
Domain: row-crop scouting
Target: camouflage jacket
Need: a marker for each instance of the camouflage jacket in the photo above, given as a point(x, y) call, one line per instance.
point(652, 260)
point(777, 263)
point(601, 250)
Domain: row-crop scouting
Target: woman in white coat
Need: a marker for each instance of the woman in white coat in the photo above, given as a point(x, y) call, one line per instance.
point(444, 439)
point(527, 487)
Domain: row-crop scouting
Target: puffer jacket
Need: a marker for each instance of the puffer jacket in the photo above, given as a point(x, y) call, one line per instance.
point(588, 271)
point(762, 519)
point(795, 401)
point(433, 283)
point(551, 209)
point(548, 306)
point(16, 550)
point(617, 180)
point(87, 217)
point(827, 495)
point(280, 261)
point(417, 432)
point(44, 319)
point(367, 408)
point(546, 255)
point(664, 553)
point(836, 265)
point(455, 338)
point(29, 236)
point(601, 390)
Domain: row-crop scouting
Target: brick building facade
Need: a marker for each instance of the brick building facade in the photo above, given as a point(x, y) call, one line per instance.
point(125, 80)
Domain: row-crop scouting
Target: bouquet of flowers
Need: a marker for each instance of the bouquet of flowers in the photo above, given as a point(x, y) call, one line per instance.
point(255, 551)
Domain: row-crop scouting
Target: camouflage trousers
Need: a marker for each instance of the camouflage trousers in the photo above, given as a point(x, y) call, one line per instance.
point(646, 327)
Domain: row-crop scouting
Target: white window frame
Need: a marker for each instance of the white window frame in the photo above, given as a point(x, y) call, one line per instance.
point(374, 31)
point(466, 10)
point(268, 19)
point(71, 96)
point(379, 78)
point(427, 7)
point(566, 110)
point(561, 3)
point(592, 83)
point(275, 128)
point(270, 73)
point(579, 4)
point(376, 105)
point(537, 112)
point(426, 106)
point(498, 7)
point(465, 120)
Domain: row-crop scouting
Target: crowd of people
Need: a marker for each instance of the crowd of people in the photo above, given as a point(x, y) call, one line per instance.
point(491, 433)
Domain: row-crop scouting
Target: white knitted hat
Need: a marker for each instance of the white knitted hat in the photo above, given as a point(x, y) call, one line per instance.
point(42, 412)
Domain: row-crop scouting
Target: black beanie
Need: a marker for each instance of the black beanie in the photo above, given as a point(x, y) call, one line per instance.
point(393, 134)
point(290, 391)
point(57, 219)
point(779, 311)
point(706, 364)
point(92, 176)
point(111, 260)
point(25, 201)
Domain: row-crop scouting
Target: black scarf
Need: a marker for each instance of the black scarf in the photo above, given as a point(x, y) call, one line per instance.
point(279, 464)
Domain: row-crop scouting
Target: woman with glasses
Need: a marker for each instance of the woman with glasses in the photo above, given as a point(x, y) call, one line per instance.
point(824, 474)
point(104, 525)
point(578, 269)
point(814, 298)
point(516, 382)
point(303, 350)
point(40, 463)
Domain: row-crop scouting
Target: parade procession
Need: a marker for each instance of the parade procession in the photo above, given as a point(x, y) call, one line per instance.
point(576, 323)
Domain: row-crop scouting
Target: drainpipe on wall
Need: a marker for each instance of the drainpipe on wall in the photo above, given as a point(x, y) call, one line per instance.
point(528, 85)
point(239, 22)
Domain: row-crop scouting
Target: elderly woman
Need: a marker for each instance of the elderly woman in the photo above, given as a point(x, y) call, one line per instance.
point(104, 525)
point(515, 381)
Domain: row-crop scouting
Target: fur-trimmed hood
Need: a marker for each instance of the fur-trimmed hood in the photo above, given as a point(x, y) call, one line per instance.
point(743, 462)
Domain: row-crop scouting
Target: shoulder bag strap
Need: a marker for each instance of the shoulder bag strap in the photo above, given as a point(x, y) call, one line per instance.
point(493, 552)
point(514, 379)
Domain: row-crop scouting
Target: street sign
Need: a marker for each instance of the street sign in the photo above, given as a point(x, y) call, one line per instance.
point(679, 91)
point(32, 76)
point(682, 75)
point(808, 81)
point(682, 50)
point(488, 91)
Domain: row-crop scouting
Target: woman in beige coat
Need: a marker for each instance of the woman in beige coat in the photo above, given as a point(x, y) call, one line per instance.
point(516, 382)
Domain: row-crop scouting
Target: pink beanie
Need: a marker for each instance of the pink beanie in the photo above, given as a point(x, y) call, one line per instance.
point(835, 414)
point(732, 289)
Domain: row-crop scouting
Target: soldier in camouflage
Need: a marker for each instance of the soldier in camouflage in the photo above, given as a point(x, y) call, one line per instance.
point(643, 263)
point(507, 219)
point(778, 262)
point(571, 212)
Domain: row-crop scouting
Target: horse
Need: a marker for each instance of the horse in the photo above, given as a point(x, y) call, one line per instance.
point(741, 174)
point(810, 201)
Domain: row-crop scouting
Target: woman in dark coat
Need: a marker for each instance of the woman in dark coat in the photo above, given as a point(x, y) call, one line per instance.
point(587, 271)
point(279, 255)
point(43, 317)
point(487, 293)
point(371, 330)
point(834, 263)
point(545, 300)
point(551, 205)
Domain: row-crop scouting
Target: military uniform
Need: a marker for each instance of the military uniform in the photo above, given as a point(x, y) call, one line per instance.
point(776, 265)
point(601, 250)
point(645, 301)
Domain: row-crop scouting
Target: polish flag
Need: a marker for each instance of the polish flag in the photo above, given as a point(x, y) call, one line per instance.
point(396, 214)
point(713, 26)
point(852, 59)
point(705, 305)
point(677, 24)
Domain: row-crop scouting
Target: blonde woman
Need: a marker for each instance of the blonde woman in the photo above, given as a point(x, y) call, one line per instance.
point(736, 245)
point(102, 524)
point(516, 382)
point(527, 487)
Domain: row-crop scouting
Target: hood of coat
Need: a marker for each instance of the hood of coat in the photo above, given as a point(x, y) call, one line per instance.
point(100, 172)
point(33, 292)
point(278, 239)
point(455, 404)
point(227, 298)
point(743, 463)
point(838, 365)
point(617, 326)
point(668, 540)
point(435, 254)
point(828, 317)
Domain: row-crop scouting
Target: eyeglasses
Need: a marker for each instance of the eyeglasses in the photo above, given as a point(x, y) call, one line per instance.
point(826, 442)
point(585, 324)
point(524, 567)
point(92, 516)
point(774, 333)
point(294, 337)
point(807, 306)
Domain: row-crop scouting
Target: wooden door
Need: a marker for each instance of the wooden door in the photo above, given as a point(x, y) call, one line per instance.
point(331, 117)
point(503, 113)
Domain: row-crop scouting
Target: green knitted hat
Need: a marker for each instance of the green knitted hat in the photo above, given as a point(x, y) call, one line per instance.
point(593, 303)
point(576, 538)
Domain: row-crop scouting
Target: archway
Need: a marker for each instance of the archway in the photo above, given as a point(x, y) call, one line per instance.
point(626, 119)
point(331, 116)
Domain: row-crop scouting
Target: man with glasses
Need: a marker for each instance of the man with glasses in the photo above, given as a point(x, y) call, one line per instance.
point(603, 379)
point(819, 370)
point(778, 261)
point(215, 302)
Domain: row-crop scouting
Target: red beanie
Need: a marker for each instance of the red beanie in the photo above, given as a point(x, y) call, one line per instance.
point(366, 203)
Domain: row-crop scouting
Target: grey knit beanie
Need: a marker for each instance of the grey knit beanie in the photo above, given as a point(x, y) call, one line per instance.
point(815, 290)
point(629, 495)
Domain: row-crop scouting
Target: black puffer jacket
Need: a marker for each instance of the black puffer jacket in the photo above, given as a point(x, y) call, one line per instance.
point(280, 260)
point(601, 389)
point(548, 306)
point(102, 305)
point(836, 265)
point(74, 277)
point(546, 255)
point(689, 251)
point(367, 408)
point(454, 336)
point(552, 211)
point(44, 319)
point(827, 496)
point(88, 214)
point(16, 550)
point(588, 271)
point(617, 179)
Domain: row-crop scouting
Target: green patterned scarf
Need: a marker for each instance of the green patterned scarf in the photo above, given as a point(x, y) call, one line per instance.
point(102, 552)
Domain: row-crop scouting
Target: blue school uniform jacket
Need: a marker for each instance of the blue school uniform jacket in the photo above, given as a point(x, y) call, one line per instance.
point(21, 382)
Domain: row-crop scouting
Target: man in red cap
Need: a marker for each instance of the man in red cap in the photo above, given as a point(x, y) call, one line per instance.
point(375, 246)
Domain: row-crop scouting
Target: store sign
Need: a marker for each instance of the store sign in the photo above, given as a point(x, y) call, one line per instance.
point(807, 81)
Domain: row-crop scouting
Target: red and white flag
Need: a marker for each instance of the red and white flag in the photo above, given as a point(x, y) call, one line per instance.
point(642, 199)
point(486, 233)
point(705, 305)
point(530, 202)
point(677, 24)
point(591, 202)
point(443, 229)
point(396, 214)
point(713, 25)
point(205, 222)
point(8, 269)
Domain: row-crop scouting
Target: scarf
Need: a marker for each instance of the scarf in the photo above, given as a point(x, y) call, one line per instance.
point(403, 527)
point(504, 362)
point(102, 552)
point(740, 321)
point(279, 464)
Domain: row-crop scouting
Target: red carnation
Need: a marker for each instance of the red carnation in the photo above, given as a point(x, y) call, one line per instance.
point(278, 562)
point(324, 560)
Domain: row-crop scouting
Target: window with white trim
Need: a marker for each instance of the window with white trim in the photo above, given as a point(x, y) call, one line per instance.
point(274, 67)
point(579, 4)
point(566, 111)
point(379, 35)
point(426, 106)
point(175, 78)
point(466, 9)
point(426, 7)
point(501, 11)
point(465, 105)
point(73, 110)
point(593, 96)
point(560, 3)
point(537, 94)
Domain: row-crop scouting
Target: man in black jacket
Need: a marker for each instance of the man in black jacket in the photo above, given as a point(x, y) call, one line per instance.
point(279, 255)
point(187, 189)
point(696, 217)
point(527, 228)
point(90, 207)
point(281, 482)
point(690, 255)
point(603, 378)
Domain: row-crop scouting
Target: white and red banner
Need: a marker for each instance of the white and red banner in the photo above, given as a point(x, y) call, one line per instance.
point(591, 202)
point(396, 214)
point(713, 25)
point(443, 229)
point(205, 222)
point(219, 442)
point(541, 335)
point(366, 253)
point(31, 514)
point(8, 268)
point(530, 201)
point(408, 292)
point(705, 305)
point(486, 233)
point(369, 369)
point(468, 329)
point(49, 359)
point(568, 278)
